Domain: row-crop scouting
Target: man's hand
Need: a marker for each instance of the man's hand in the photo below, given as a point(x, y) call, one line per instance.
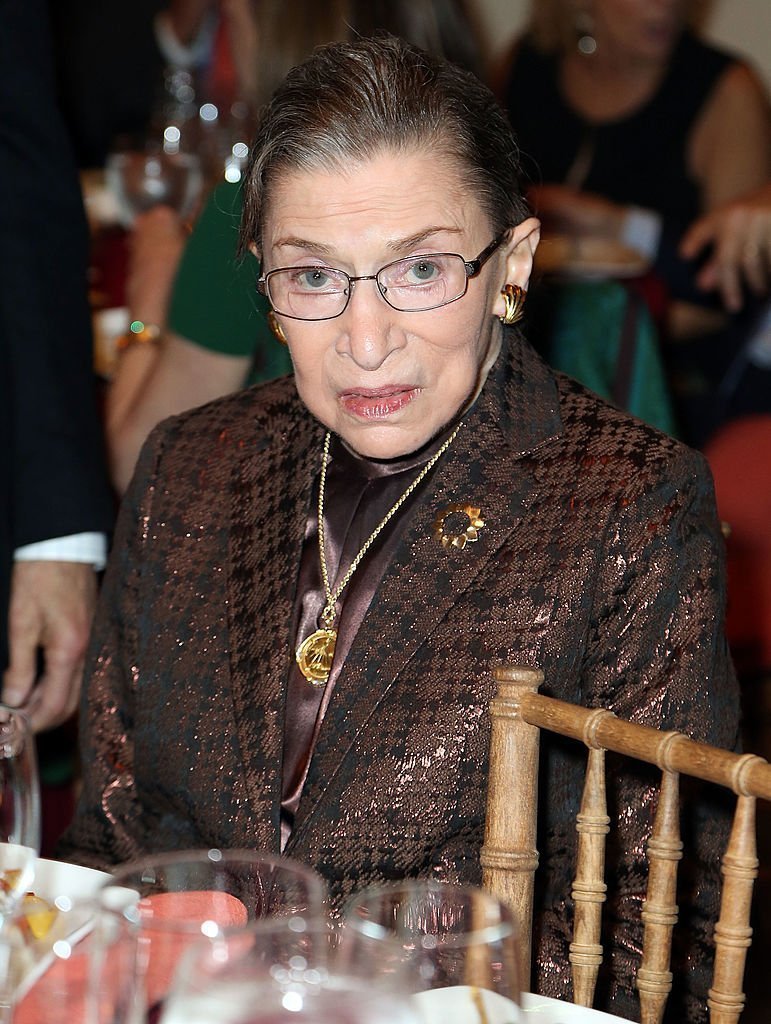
point(52, 604)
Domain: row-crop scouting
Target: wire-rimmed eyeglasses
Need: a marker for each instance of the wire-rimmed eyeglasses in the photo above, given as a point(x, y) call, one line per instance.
point(409, 285)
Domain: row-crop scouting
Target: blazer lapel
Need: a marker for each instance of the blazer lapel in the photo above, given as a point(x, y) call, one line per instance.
point(271, 484)
point(485, 469)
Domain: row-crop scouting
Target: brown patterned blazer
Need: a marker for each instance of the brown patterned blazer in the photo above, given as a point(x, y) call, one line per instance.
point(601, 560)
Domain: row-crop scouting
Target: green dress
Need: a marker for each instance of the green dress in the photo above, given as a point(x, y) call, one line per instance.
point(215, 302)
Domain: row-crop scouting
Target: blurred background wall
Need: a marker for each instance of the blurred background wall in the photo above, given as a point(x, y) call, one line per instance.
point(744, 25)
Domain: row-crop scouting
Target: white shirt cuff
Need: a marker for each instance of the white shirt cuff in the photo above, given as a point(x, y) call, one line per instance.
point(642, 231)
point(77, 547)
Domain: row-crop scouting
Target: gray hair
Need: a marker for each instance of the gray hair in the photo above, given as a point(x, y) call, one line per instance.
point(351, 101)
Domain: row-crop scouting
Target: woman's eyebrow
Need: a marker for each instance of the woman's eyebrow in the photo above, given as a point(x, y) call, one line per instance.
point(412, 241)
point(396, 245)
point(292, 242)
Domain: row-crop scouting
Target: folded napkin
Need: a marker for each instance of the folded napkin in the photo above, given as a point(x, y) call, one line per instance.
point(59, 995)
point(162, 947)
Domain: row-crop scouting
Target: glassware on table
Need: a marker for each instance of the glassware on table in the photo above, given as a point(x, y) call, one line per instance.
point(19, 835)
point(276, 973)
point(20, 794)
point(454, 947)
point(151, 910)
point(155, 175)
point(63, 979)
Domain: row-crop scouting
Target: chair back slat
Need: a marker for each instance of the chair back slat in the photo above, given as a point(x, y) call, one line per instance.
point(589, 889)
point(659, 913)
point(509, 855)
point(733, 934)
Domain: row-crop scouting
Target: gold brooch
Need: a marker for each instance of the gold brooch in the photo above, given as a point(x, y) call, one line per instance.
point(458, 540)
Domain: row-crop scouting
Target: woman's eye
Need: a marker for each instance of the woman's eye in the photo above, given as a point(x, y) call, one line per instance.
point(423, 272)
point(313, 279)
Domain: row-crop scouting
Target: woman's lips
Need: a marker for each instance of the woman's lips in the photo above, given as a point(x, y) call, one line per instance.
point(377, 403)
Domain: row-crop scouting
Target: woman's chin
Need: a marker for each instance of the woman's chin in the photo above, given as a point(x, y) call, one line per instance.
point(382, 440)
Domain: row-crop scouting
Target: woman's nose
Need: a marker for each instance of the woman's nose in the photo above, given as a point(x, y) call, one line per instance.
point(369, 330)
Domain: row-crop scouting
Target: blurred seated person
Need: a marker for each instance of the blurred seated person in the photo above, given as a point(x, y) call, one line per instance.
point(313, 578)
point(632, 127)
point(206, 329)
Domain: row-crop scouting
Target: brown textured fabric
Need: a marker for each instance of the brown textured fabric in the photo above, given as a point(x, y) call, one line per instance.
point(601, 560)
point(359, 493)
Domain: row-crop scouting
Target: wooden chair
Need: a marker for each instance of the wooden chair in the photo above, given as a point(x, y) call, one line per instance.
point(509, 855)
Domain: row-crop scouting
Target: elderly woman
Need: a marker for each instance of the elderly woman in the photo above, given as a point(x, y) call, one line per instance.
point(312, 579)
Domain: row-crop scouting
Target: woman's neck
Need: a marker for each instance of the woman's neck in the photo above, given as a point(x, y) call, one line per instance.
point(602, 87)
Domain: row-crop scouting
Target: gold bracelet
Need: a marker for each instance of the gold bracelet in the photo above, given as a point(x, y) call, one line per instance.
point(139, 333)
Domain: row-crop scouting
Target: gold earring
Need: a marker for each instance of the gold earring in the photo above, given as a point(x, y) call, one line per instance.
point(514, 297)
point(276, 327)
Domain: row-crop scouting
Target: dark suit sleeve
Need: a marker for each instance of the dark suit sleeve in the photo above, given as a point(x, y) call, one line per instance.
point(108, 827)
point(54, 472)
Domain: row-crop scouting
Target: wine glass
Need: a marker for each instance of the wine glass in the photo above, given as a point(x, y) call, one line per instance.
point(19, 808)
point(279, 972)
point(153, 909)
point(19, 835)
point(152, 176)
point(454, 947)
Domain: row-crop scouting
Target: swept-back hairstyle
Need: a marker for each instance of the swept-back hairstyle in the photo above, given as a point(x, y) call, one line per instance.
point(351, 101)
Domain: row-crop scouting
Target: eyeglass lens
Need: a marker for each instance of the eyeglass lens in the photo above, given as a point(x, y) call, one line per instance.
point(409, 285)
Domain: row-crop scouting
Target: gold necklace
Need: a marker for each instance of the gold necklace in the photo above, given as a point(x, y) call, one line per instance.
point(316, 653)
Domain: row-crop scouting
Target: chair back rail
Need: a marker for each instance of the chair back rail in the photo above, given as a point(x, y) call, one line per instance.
point(509, 856)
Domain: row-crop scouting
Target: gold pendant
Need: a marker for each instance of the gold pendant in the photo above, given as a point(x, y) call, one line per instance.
point(315, 655)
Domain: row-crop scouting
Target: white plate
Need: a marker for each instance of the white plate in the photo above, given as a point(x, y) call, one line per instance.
point(67, 887)
point(542, 1010)
point(458, 1005)
point(588, 259)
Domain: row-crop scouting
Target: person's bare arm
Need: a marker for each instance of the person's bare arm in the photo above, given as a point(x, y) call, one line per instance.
point(152, 381)
point(51, 607)
point(183, 375)
point(729, 150)
point(155, 247)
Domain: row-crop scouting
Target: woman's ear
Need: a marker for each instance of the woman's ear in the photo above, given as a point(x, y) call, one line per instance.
point(519, 251)
point(255, 251)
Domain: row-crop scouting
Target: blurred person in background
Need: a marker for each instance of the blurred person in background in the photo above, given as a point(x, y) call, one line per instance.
point(200, 328)
point(632, 127)
point(55, 507)
point(109, 68)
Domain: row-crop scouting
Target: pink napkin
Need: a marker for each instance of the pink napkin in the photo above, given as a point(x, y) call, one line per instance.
point(61, 990)
point(162, 948)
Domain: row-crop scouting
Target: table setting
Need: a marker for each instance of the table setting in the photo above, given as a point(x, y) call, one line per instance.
point(237, 937)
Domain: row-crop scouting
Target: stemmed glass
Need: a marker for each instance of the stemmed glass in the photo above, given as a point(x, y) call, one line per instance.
point(154, 174)
point(19, 834)
point(454, 947)
point(152, 910)
point(280, 972)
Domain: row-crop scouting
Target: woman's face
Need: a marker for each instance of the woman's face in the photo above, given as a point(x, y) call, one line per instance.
point(638, 30)
point(387, 381)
